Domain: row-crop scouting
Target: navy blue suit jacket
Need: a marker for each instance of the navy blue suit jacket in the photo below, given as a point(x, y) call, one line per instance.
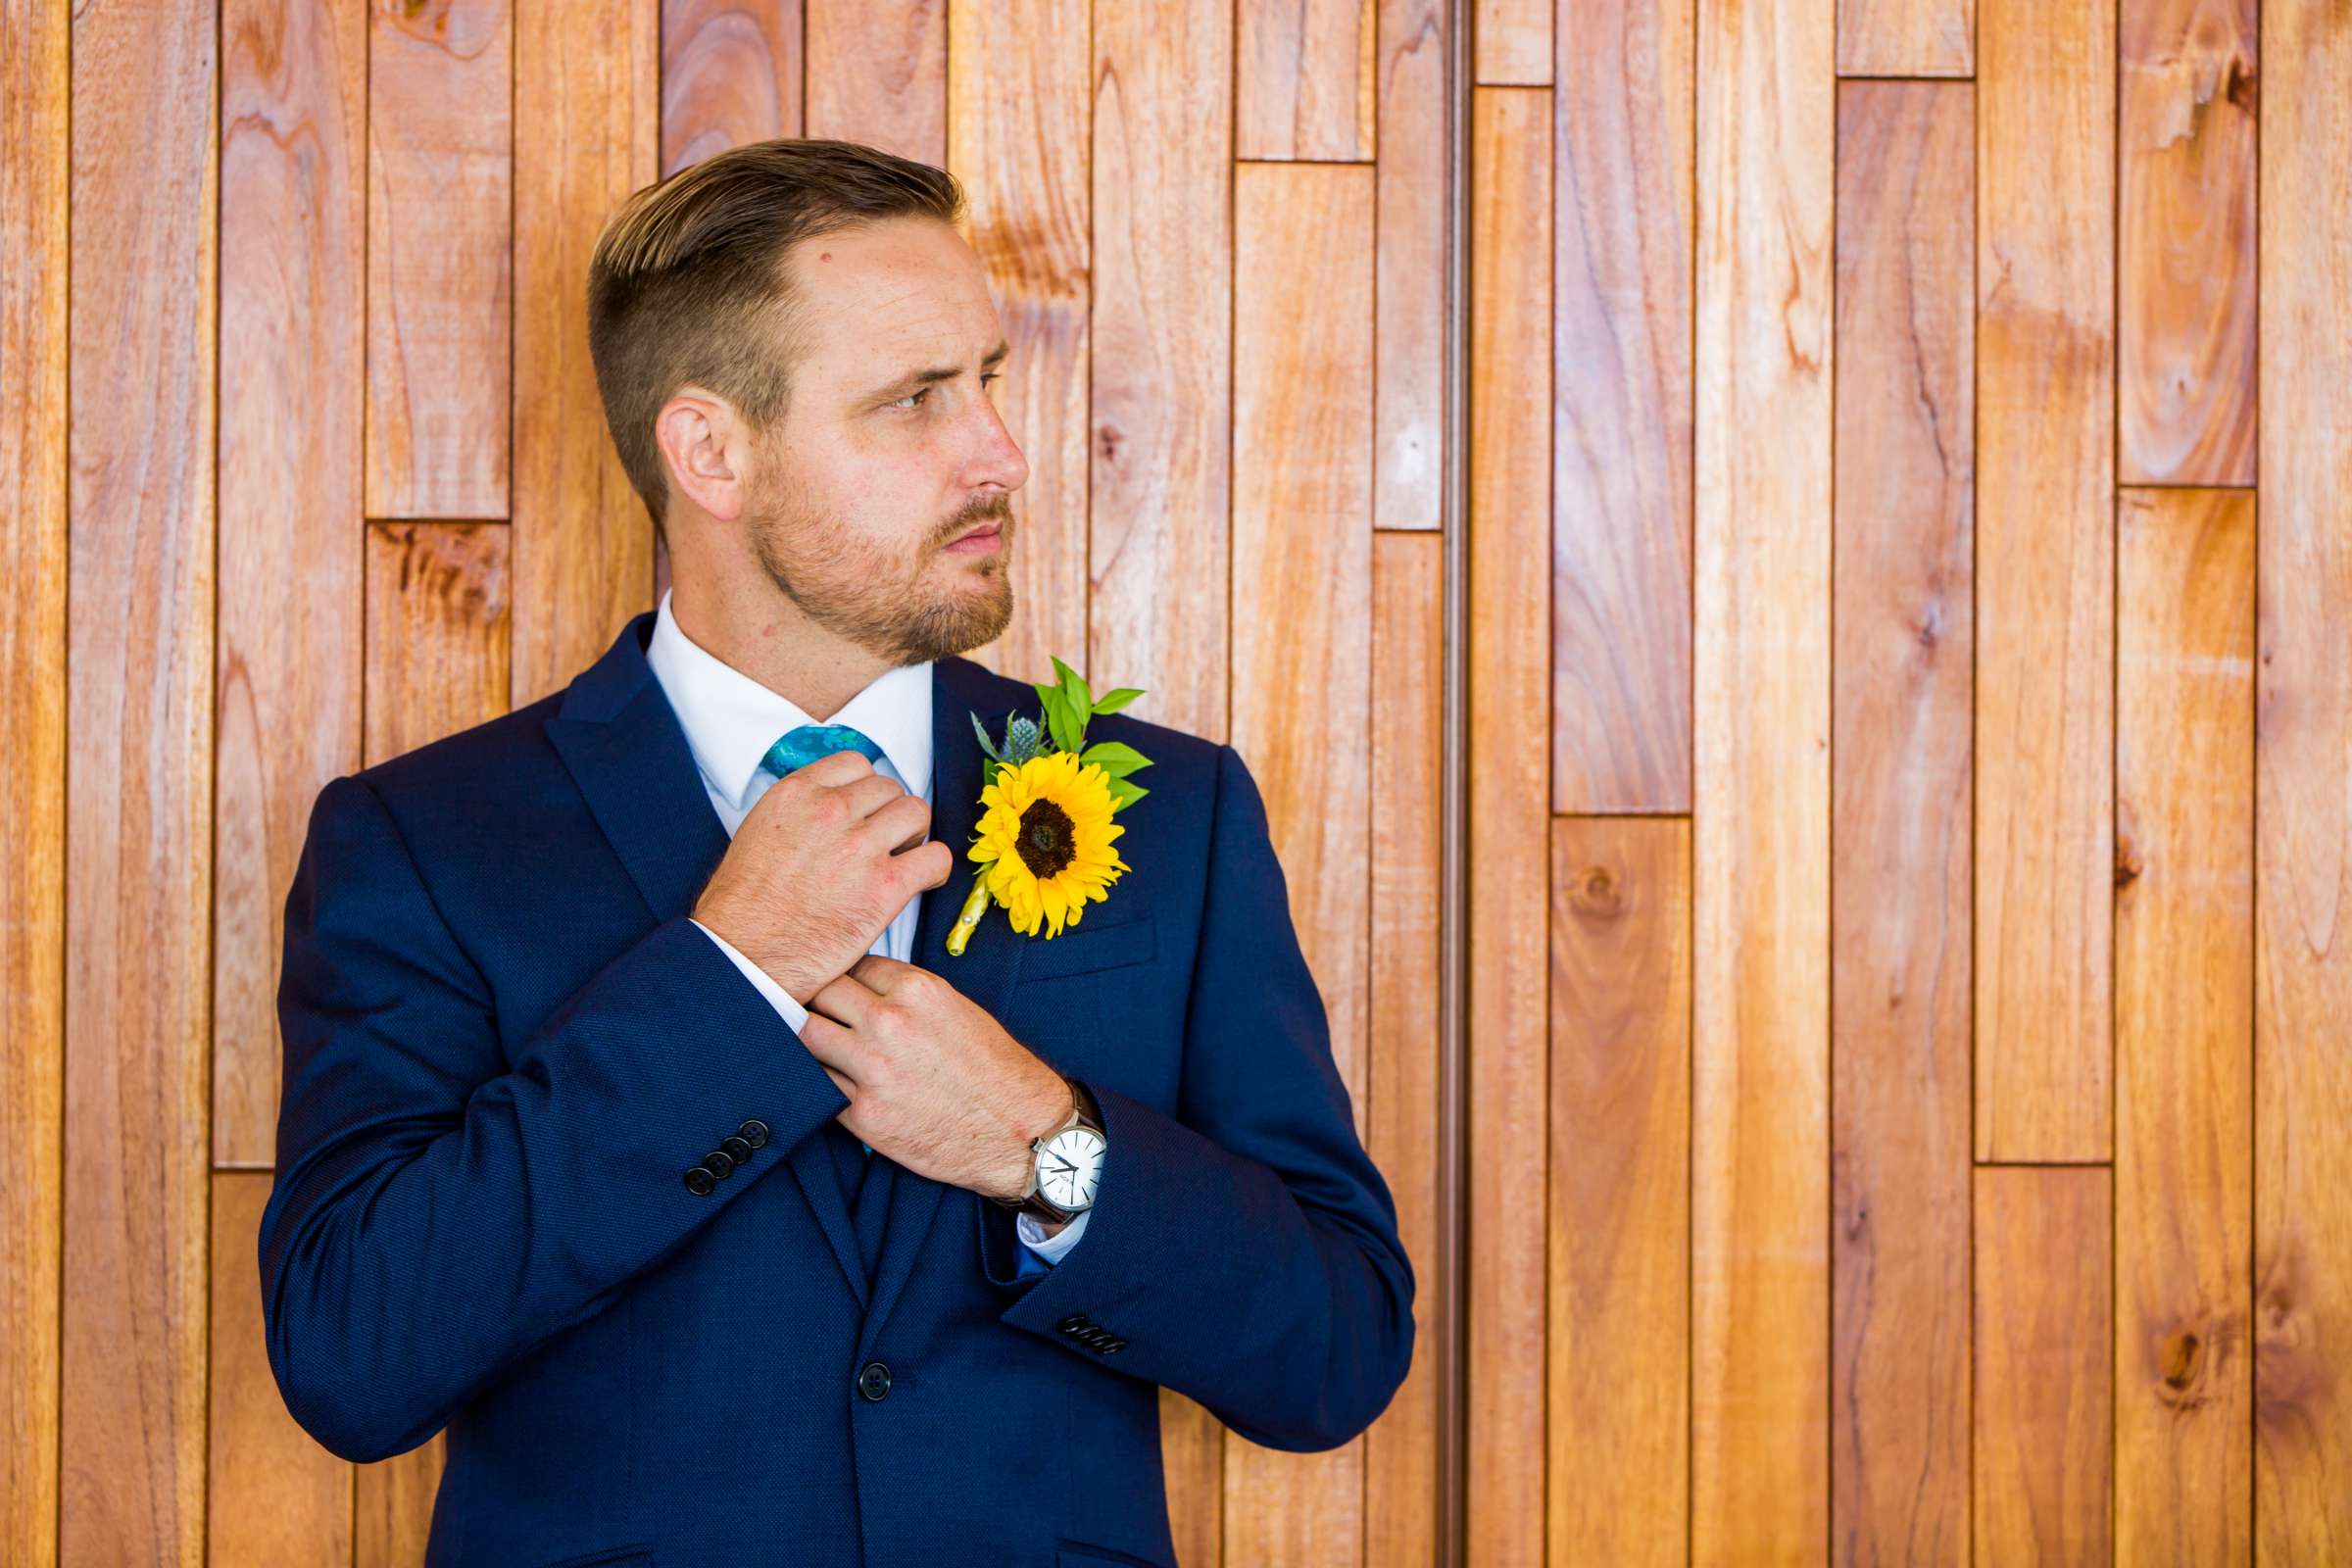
point(505, 1043)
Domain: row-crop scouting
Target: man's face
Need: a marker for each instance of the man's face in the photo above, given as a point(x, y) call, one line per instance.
point(892, 447)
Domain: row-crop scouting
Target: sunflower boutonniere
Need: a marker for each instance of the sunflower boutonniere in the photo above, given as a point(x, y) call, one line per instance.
point(1044, 841)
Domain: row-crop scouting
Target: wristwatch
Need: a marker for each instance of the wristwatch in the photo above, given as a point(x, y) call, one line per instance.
point(1065, 1164)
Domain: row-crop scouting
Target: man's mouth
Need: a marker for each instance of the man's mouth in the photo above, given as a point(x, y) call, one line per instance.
point(981, 540)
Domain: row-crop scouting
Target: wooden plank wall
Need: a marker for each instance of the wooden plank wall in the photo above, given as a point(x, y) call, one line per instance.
point(1909, 970)
point(1943, 1105)
point(305, 467)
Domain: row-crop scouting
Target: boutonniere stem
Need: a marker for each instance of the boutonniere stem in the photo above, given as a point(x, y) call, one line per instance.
point(1044, 839)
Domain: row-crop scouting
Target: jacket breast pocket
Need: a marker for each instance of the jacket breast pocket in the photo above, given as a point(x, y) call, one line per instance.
point(1089, 946)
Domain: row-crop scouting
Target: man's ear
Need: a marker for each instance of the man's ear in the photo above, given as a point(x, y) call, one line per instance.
point(706, 449)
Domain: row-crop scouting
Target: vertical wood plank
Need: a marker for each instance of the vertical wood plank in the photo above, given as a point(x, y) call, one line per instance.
point(2046, 602)
point(1619, 1279)
point(1408, 397)
point(1904, 614)
point(1023, 160)
point(878, 75)
point(587, 121)
point(278, 1497)
point(730, 74)
point(35, 95)
point(1514, 41)
point(2183, 1027)
point(1161, 372)
point(1906, 37)
point(2041, 1432)
point(1509, 791)
point(1621, 414)
point(2303, 874)
point(293, 287)
point(440, 160)
point(2185, 327)
point(1760, 1306)
point(438, 631)
point(138, 816)
point(1305, 79)
point(1403, 1093)
point(1301, 685)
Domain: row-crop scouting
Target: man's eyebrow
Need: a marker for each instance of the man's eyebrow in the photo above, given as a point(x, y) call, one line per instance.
point(939, 372)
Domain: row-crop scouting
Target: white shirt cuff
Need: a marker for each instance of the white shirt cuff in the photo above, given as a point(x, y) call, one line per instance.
point(1050, 1248)
point(777, 997)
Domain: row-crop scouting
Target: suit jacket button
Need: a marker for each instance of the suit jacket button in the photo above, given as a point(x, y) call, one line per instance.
point(738, 1148)
point(1072, 1324)
point(873, 1381)
point(755, 1132)
point(698, 1181)
point(721, 1164)
point(1111, 1346)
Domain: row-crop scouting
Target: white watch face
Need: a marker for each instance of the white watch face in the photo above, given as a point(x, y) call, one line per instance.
point(1070, 1167)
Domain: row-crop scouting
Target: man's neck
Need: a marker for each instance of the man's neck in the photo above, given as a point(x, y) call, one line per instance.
point(762, 635)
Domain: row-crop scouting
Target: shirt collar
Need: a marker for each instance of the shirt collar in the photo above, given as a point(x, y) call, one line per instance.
point(731, 719)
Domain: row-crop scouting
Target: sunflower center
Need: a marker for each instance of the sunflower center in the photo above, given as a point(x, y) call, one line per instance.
point(1047, 840)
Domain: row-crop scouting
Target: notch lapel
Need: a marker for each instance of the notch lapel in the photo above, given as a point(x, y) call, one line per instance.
point(626, 750)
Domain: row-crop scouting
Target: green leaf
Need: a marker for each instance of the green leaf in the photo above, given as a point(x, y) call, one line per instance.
point(1126, 793)
point(986, 745)
point(1075, 684)
point(1068, 728)
point(1118, 697)
point(1115, 758)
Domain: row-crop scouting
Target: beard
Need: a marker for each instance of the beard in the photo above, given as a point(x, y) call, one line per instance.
point(897, 610)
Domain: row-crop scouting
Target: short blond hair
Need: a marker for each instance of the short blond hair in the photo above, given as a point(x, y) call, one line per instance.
point(687, 282)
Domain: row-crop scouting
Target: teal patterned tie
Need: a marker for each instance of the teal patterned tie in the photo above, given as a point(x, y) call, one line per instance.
point(799, 746)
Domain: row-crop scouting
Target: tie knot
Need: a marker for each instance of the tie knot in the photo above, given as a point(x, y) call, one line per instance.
point(797, 748)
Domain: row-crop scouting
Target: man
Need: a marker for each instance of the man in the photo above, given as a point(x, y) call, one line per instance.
point(638, 1126)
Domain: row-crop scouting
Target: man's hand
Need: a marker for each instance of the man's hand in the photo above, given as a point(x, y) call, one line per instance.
point(934, 1081)
point(813, 875)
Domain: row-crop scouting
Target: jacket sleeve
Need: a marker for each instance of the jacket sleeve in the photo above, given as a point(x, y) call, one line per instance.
point(439, 1212)
point(1243, 1251)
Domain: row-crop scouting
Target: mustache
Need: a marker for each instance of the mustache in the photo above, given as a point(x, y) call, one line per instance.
point(998, 508)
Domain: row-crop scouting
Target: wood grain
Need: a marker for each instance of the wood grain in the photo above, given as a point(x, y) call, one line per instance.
point(35, 99)
point(1302, 686)
point(2045, 600)
point(293, 400)
point(2185, 242)
point(1305, 83)
point(1409, 337)
point(2184, 1027)
point(2303, 815)
point(1906, 37)
point(1023, 159)
point(587, 126)
point(730, 74)
point(441, 157)
point(1619, 1275)
point(1760, 659)
point(1403, 1095)
point(1621, 411)
point(438, 631)
point(140, 757)
point(1900, 847)
point(278, 1497)
point(2042, 1429)
point(1160, 461)
point(1509, 625)
point(1514, 41)
point(878, 75)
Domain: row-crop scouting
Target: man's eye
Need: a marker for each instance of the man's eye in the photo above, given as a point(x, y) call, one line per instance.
point(913, 399)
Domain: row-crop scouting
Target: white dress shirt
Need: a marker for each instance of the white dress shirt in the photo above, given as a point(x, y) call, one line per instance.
point(731, 720)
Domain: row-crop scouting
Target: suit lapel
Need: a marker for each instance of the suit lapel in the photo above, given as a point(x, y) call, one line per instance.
point(622, 742)
point(983, 971)
point(619, 737)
